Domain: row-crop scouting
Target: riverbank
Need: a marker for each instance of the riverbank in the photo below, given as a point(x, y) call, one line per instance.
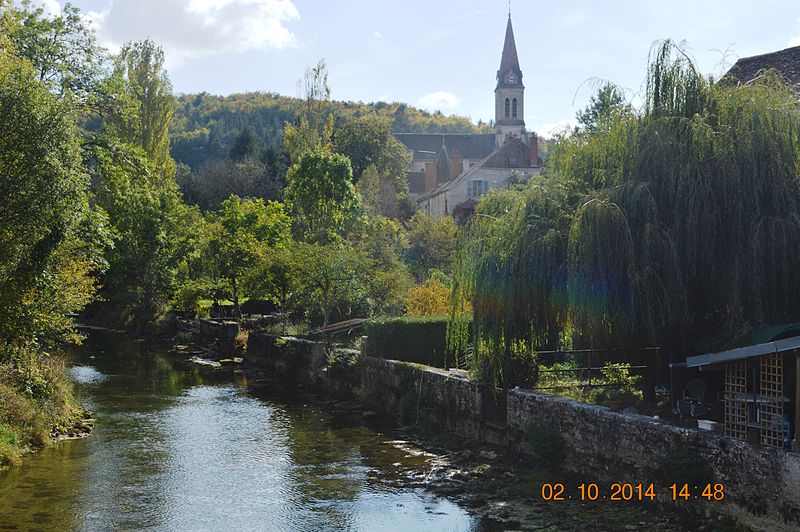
point(483, 463)
point(37, 405)
point(502, 488)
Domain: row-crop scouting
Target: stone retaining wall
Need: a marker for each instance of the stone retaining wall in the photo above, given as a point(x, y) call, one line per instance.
point(762, 484)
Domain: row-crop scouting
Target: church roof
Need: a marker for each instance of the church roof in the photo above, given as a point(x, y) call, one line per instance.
point(497, 159)
point(474, 146)
point(787, 62)
point(509, 60)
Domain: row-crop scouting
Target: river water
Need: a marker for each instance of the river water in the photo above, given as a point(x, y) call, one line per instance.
point(173, 449)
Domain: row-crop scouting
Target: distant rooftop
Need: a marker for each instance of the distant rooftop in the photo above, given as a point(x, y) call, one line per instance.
point(787, 62)
point(474, 146)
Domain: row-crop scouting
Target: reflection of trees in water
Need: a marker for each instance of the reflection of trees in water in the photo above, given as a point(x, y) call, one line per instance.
point(326, 468)
point(336, 459)
point(45, 494)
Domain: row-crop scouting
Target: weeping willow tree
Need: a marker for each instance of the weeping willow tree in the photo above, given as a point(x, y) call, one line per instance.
point(672, 225)
point(518, 292)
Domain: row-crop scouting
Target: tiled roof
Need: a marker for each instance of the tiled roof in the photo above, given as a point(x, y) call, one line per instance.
point(787, 62)
point(469, 146)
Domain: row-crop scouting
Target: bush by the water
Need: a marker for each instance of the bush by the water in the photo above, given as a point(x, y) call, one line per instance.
point(419, 340)
point(35, 398)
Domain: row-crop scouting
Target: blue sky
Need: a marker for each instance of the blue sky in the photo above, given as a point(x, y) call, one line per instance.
point(438, 54)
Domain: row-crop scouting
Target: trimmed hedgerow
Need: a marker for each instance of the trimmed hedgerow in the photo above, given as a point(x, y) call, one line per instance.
point(421, 340)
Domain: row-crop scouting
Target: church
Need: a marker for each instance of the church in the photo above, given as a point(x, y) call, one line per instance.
point(449, 173)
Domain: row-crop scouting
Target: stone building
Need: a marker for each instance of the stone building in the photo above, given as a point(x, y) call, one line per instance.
point(449, 173)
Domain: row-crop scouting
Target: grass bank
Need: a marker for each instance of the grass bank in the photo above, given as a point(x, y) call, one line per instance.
point(36, 403)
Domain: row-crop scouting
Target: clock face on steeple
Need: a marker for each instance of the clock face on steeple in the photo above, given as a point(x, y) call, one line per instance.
point(511, 78)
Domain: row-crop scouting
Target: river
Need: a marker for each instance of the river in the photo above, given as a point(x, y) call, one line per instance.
point(173, 449)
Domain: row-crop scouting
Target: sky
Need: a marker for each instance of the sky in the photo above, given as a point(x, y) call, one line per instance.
point(439, 55)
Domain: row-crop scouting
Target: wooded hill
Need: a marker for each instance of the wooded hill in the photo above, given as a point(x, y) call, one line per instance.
point(205, 126)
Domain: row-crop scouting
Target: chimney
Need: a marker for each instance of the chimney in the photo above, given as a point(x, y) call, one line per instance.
point(430, 176)
point(534, 150)
point(455, 164)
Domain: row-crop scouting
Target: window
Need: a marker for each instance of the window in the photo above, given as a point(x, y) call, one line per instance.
point(512, 161)
point(477, 188)
point(507, 106)
point(514, 108)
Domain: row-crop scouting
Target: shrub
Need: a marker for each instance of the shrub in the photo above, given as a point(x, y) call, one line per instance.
point(420, 340)
point(35, 398)
point(339, 361)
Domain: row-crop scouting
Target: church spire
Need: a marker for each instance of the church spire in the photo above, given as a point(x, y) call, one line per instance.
point(509, 61)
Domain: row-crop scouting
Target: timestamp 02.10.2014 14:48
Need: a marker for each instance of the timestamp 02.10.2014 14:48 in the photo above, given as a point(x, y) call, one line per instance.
point(630, 492)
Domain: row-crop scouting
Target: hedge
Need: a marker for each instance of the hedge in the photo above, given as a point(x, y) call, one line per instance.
point(419, 340)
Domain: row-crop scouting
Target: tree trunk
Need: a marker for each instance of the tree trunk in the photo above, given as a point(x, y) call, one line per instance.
point(236, 310)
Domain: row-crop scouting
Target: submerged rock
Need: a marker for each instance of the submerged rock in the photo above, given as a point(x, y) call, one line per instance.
point(205, 362)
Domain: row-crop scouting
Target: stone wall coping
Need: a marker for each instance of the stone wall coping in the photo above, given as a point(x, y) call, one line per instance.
point(685, 432)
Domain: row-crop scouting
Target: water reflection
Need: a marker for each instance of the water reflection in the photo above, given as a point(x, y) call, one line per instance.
point(174, 450)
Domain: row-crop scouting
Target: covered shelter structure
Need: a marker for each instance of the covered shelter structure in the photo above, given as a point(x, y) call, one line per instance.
point(760, 387)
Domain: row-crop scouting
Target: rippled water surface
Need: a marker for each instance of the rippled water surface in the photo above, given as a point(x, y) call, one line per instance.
point(173, 450)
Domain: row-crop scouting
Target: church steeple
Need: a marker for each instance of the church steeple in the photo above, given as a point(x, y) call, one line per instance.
point(509, 93)
point(509, 62)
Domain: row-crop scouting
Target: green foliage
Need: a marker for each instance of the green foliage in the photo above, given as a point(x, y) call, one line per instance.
point(314, 128)
point(135, 184)
point(237, 239)
point(211, 184)
point(432, 244)
point(62, 50)
point(619, 374)
point(145, 214)
point(321, 198)
point(511, 267)
point(244, 145)
point(662, 227)
point(340, 361)
point(609, 99)
point(330, 281)
point(206, 125)
point(367, 141)
point(44, 211)
point(547, 443)
point(419, 340)
point(621, 384)
point(35, 396)
point(144, 122)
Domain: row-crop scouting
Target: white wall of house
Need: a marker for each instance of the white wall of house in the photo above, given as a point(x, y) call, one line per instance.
point(471, 185)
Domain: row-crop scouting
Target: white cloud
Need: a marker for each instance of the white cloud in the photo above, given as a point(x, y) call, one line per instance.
point(562, 126)
point(378, 35)
point(439, 100)
point(188, 29)
point(794, 41)
point(51, 6)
